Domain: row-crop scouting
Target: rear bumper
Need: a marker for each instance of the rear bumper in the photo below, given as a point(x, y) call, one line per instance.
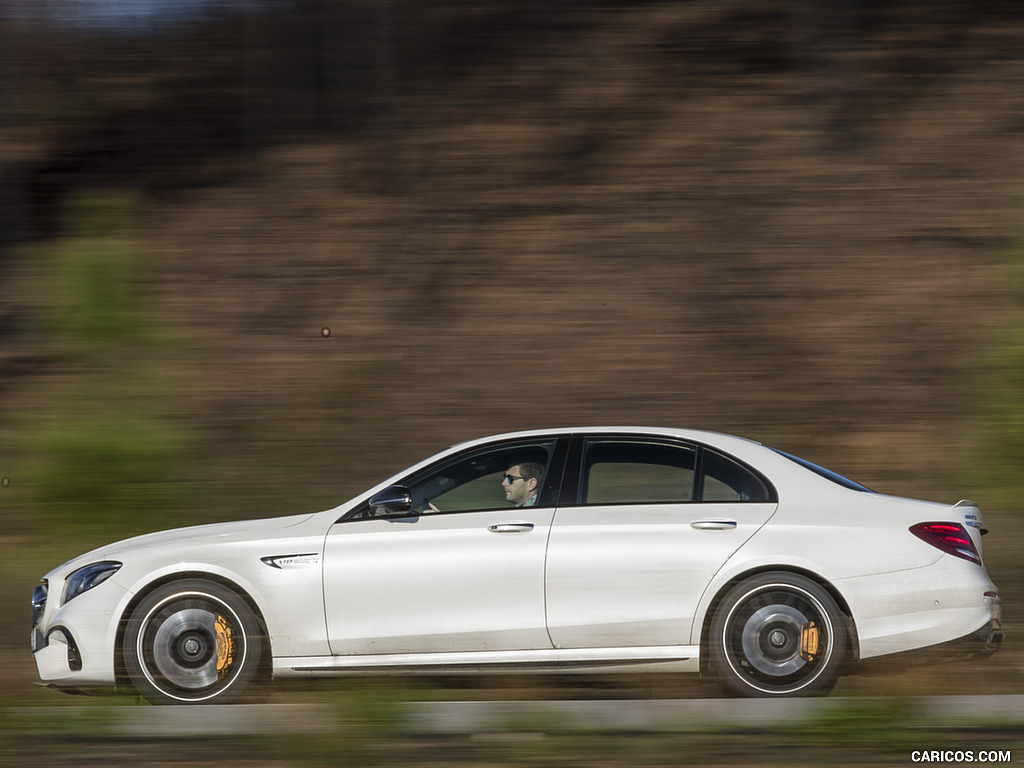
point(980, 644)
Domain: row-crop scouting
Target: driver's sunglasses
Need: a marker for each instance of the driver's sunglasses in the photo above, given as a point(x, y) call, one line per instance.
point(507, 478)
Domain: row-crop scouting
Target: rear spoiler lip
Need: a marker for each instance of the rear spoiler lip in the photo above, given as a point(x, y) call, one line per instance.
point(973, 520)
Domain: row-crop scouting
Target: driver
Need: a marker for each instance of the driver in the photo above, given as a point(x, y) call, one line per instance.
point(521, 483)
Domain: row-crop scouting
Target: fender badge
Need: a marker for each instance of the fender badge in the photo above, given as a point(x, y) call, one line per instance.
point(292, 561)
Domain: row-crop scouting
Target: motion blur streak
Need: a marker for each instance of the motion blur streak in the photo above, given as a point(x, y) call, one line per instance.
point(795, 220)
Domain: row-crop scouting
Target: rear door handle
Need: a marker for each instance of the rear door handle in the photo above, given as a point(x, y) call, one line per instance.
point(511, 528)
point(714, 525)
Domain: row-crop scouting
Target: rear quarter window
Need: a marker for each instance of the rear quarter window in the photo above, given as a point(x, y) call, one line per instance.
point(727, 480)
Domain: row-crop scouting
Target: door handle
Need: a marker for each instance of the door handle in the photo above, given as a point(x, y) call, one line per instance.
point(714, 525)
point(511, 528)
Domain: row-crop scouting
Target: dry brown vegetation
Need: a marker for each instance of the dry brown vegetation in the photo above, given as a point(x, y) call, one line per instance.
point(624, 227)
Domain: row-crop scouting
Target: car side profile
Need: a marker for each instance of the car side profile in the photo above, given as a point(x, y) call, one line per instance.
point(598, 549)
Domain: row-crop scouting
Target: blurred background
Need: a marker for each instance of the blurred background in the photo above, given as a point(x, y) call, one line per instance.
point(256, 255)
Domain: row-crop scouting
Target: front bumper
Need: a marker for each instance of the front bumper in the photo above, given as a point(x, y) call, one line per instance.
point(73, 644)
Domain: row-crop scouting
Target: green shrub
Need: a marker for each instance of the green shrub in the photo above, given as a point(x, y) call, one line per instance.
point(97, 453)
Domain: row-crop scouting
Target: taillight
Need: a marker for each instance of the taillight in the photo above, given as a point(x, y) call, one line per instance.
point(949, 537)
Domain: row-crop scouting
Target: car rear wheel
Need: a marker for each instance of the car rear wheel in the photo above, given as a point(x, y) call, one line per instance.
point(194, 642)
point(777, 634)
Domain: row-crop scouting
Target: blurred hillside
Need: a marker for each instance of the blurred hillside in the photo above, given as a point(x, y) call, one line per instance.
point(253, 262)
point(348, 234)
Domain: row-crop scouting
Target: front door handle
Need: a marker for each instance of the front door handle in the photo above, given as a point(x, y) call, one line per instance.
point(511, 528)
point(714, 525)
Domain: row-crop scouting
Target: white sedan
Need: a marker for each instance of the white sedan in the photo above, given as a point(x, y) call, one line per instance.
point(594, 550)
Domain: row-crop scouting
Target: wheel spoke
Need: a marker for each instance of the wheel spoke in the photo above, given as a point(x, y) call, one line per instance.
point(770, 639)
point(185, 647)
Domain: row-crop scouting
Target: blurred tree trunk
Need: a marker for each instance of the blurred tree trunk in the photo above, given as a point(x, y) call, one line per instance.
point(829, 42)
point(386, 79)
point(13, 177)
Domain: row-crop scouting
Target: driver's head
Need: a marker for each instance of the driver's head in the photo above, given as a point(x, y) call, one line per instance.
point(522, 482)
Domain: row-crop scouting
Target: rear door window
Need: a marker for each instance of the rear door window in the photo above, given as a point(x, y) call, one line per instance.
point(637, 472)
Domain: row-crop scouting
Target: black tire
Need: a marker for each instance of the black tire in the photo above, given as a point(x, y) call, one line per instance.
point(777, 634)
point(195, 642)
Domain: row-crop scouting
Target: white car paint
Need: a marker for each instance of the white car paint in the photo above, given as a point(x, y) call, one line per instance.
point(556, 586)
point(450, 583)
point(615, 580)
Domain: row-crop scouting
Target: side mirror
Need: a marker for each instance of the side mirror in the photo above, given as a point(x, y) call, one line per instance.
point(393, 501)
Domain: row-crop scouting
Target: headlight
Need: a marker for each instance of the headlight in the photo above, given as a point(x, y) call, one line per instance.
point(87, 577)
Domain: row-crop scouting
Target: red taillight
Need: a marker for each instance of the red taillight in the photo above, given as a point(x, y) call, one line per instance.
point(949, 537)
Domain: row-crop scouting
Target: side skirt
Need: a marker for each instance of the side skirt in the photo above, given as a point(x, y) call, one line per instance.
point(673, 658)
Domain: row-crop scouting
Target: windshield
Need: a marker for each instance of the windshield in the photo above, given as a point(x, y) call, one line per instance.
point(828, 474)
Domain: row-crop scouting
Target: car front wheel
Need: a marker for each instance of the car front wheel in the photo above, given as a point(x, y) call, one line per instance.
point(777, 634)
point(194, 642)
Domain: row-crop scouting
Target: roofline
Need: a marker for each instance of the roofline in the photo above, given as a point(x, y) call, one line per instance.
point(679, 432)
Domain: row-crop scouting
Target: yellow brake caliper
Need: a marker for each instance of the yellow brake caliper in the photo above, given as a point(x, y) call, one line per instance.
point(809, 638)
point(225, 646)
